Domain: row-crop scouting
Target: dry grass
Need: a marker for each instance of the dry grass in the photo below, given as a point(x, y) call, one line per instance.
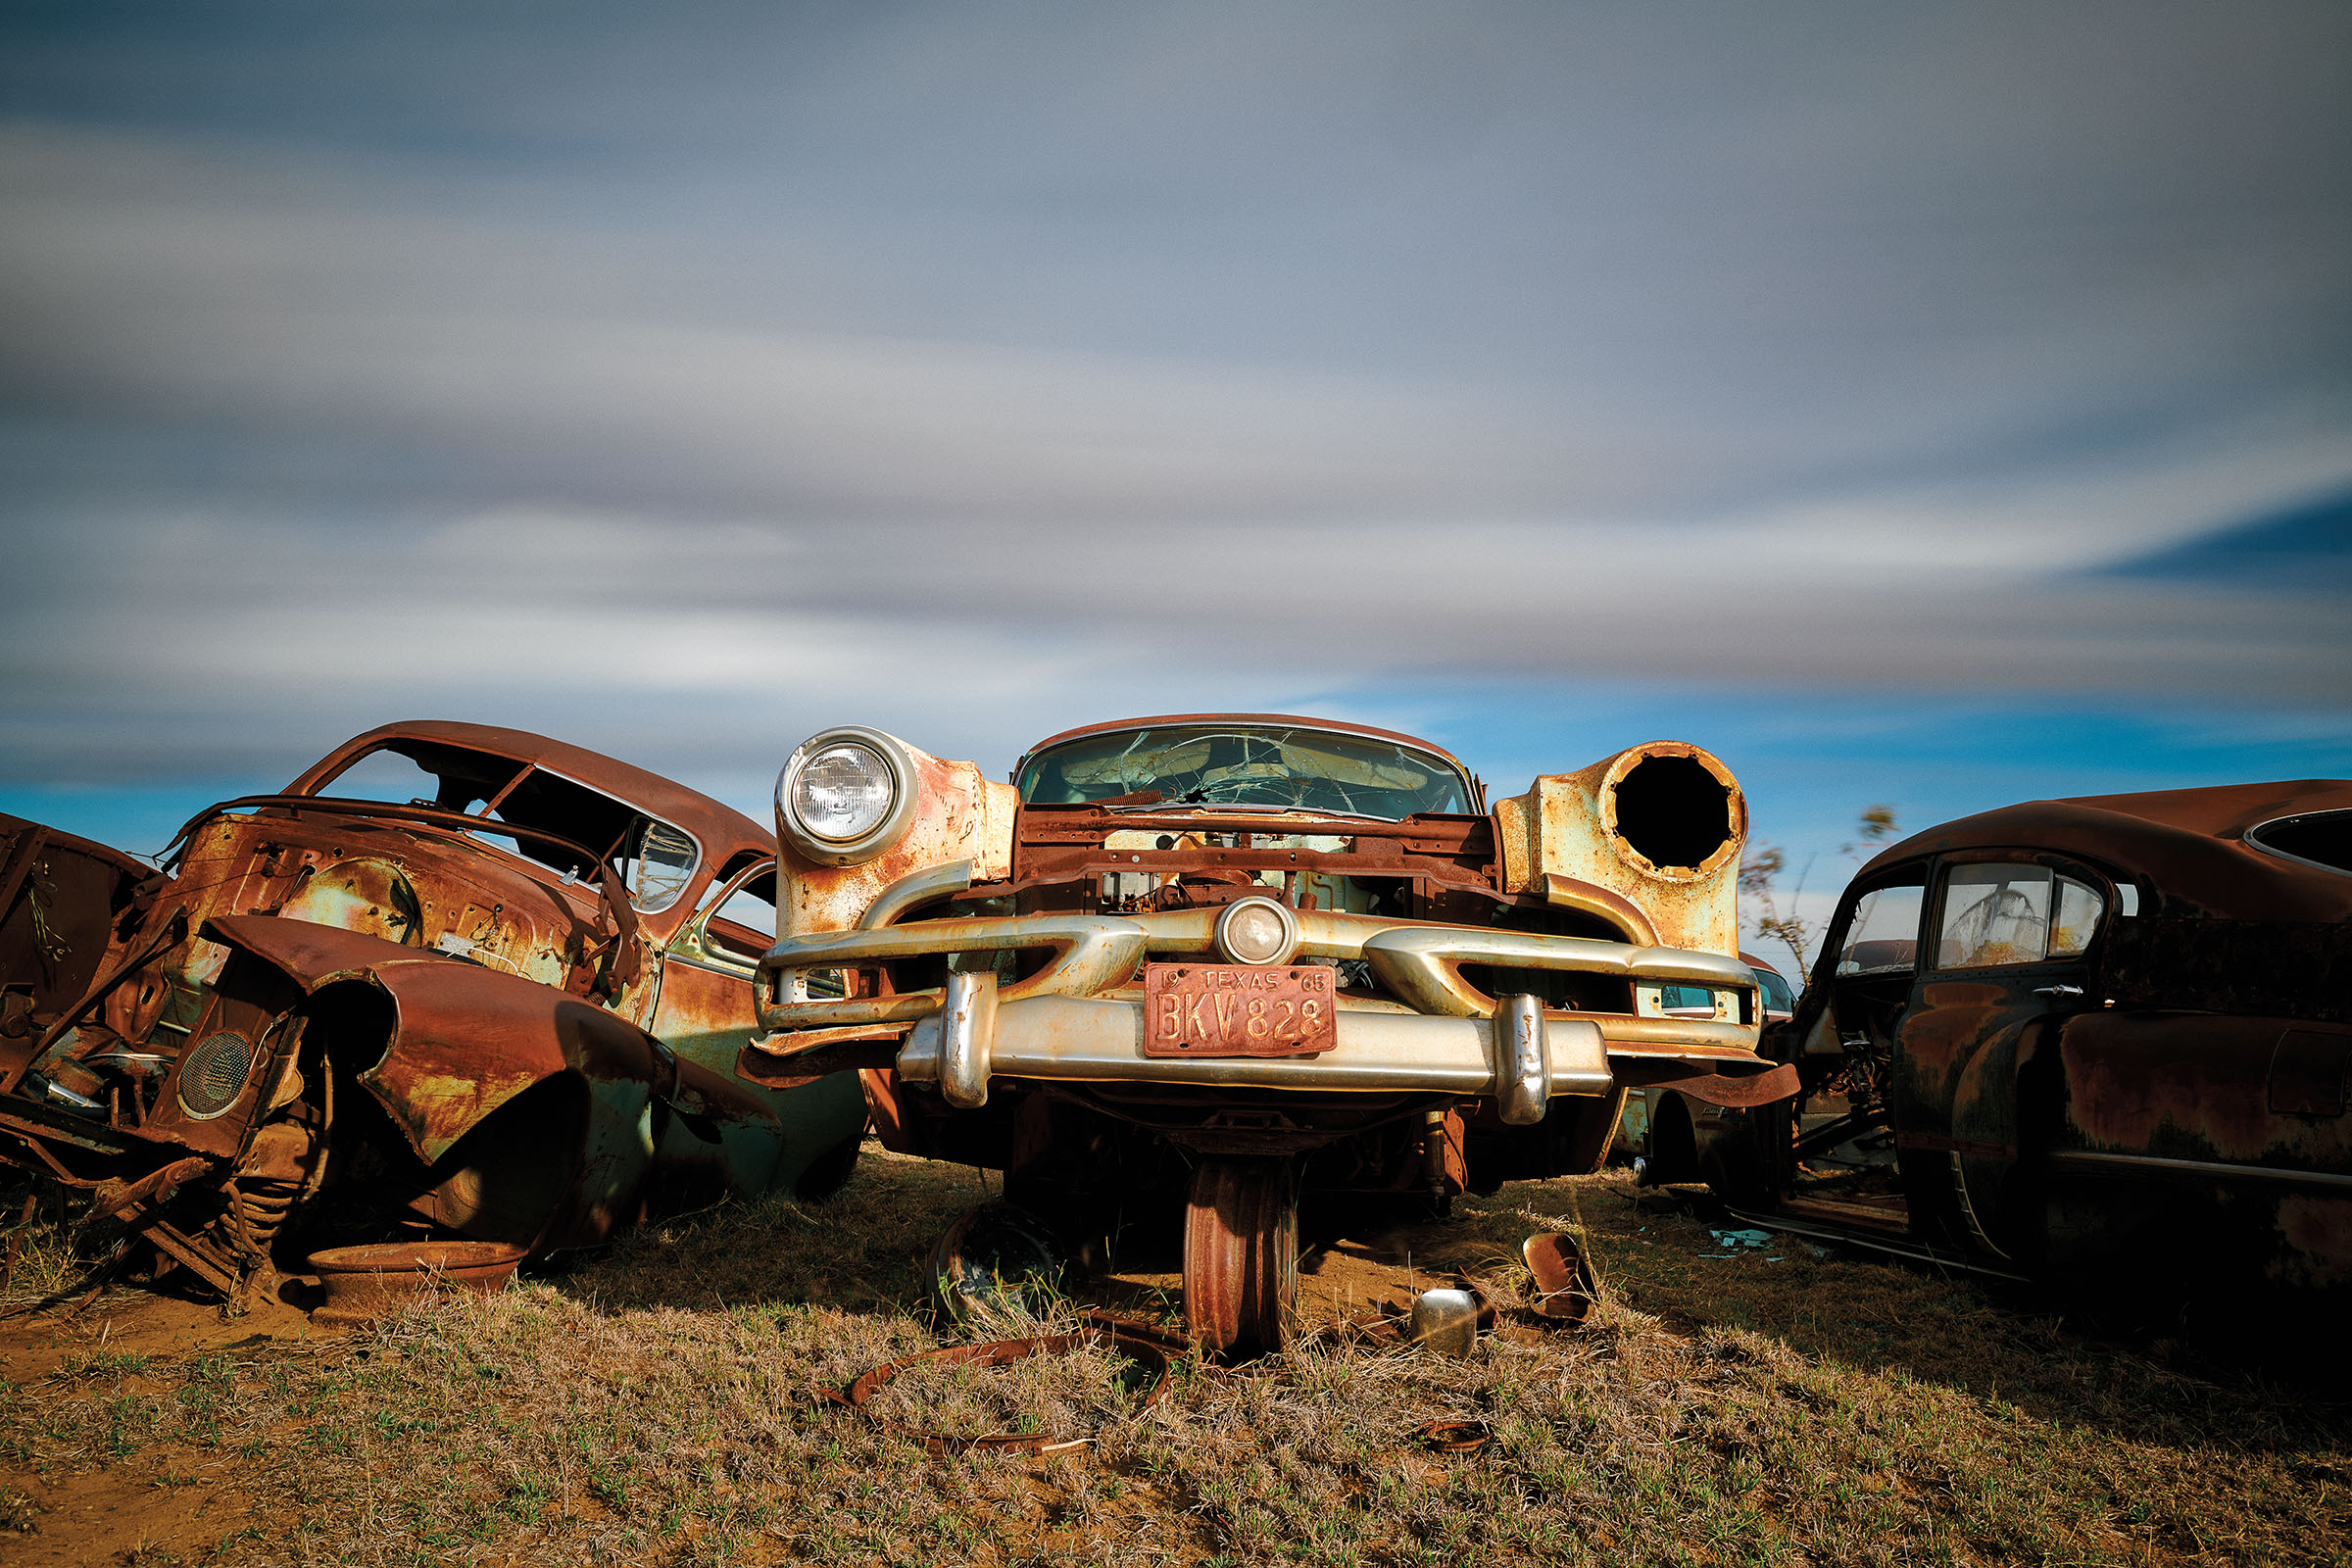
point(665, 1404)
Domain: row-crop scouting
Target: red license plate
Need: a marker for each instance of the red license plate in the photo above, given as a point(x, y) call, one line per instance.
point(1227, 1010)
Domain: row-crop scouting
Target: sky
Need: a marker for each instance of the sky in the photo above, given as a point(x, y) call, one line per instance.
point(1934, 407)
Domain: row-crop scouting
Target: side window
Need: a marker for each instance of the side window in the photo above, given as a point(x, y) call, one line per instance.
point(1993, 914)
point(1884, 934)
point(2079, 909)
point(660, 865)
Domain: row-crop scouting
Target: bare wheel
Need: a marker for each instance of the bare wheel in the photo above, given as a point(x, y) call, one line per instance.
point(1240, 1255)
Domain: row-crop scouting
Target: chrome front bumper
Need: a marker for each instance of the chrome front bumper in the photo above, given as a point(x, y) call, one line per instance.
point(1519, 1059)
point(1058, 1024)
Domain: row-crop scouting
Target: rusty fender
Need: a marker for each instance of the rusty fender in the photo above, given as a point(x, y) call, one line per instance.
point(469, 1039)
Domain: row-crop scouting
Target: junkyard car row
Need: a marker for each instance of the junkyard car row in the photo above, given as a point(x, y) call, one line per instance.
point(462, 981)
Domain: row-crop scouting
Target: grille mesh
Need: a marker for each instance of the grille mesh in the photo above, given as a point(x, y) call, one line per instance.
point(213, 1073)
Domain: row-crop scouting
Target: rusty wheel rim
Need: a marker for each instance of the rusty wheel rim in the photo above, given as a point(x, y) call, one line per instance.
point(1241, 1256)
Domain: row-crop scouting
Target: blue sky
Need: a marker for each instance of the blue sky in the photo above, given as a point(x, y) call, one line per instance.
point(1925, 406)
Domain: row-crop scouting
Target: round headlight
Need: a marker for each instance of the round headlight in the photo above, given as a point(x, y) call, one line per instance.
point(842, 793)
point(1257, 930)
point(846, 796)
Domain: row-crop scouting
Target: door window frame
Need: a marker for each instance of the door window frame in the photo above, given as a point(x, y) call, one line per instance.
point(2101, 881)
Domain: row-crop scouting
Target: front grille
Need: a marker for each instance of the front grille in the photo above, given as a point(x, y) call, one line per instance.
point(212, 1074)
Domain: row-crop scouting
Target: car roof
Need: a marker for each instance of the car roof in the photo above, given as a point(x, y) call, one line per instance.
point(722, 828)
point(1337, 725)
point(2188, 845)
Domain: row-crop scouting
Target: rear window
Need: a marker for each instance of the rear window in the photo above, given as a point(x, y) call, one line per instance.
point(2315, 838)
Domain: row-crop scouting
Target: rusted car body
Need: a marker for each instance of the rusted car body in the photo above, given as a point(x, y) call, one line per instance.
point(1212, 960)
point(2102, 1041)
point(451, 977)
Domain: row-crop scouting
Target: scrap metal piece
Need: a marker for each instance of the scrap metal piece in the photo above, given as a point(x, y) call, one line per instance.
point(1453, 1436)
point(1446, 1321)
point(365, 1283)
point(1564, 1284)
point(997, 1256)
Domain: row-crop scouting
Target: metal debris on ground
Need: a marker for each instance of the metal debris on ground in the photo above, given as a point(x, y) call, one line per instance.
point(1453, 1436)
point(996, 1260)
point(1446, 1321)
point(1735, 1239)
point(1564, 1284)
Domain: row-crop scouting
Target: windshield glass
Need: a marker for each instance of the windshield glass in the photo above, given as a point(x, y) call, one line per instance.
point(1248, 764)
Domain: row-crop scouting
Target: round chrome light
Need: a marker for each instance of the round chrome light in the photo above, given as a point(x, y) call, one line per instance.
point(1257, 930)
point(846, 795)
point(842, 793)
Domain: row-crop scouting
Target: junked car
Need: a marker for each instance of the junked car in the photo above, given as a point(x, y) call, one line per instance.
point(453, 979)
point(2102, 1041)
point(1210, 961)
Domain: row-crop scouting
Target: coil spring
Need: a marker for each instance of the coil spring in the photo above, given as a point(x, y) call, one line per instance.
point(264, 1207)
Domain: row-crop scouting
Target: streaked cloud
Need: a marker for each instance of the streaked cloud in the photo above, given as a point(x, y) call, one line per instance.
point(680, 383)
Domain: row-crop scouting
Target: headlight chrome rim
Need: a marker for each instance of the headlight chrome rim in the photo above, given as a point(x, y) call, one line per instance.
point(897, 761)
point(1231, 943)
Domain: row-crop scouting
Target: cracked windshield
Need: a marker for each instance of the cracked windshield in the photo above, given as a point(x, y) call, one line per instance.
point(1274, 766)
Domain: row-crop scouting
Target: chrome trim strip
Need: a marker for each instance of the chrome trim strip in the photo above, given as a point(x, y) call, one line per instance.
point(1091, 952)
point(2201, 1167)
point(913, 891)
point(1418, 962)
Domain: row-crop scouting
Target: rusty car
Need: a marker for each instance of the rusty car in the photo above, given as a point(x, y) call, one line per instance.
point(2102, 1043)
point(452, 980)
point(1203, 963)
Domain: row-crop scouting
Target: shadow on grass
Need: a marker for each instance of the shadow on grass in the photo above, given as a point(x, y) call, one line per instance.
point(2002, 1344)
point(864, 1248)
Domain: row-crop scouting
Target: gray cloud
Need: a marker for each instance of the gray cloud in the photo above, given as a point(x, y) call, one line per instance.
point(703, 378)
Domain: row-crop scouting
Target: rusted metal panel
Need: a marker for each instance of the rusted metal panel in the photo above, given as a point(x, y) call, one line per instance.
point(1658, 827)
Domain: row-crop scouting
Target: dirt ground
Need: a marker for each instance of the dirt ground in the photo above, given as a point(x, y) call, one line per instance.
point(178, 1502)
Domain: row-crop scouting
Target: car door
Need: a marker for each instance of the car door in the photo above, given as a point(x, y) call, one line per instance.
point(2006, 960)
point(1846, 1027)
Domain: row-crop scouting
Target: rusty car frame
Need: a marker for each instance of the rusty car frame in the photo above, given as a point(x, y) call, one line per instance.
point(2102, 1043)
point(452, 980)
point(1204, 962)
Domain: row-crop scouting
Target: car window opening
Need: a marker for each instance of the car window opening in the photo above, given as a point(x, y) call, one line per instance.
point(656, 859)
point(2318, 838)
point(1884, 934)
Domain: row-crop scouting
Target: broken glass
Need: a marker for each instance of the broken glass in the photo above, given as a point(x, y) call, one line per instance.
point(1267, 767)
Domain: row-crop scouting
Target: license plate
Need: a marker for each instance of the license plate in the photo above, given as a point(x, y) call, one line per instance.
point(1221, 1009)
